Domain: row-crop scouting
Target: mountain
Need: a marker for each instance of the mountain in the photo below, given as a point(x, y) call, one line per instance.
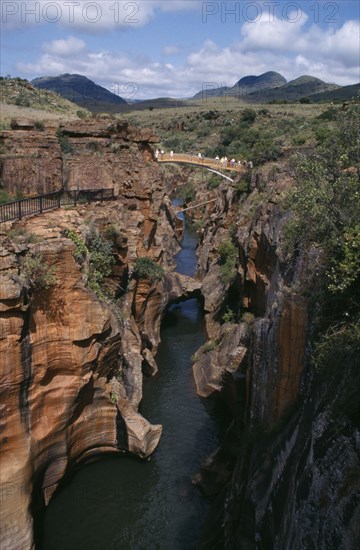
point(212, 92)
point(23, 95)
point(304, 86)
point(345, 93)
point(265, 81)
point(82, 91)
point(245, 85)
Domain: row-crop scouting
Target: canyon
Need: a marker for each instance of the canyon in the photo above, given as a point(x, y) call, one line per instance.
point(72, 363)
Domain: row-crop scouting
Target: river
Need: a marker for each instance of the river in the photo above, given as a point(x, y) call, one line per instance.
point(124, 503)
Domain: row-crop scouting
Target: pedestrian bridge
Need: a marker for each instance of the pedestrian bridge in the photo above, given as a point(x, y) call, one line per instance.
point(210, 164)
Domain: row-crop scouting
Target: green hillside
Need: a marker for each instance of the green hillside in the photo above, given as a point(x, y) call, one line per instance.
point(82, 91)
point(21, 93)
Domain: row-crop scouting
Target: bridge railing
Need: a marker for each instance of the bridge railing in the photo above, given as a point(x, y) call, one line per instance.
point(203, 161)
point(16, 210)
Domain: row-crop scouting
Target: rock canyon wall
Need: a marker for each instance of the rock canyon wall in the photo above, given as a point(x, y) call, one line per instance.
point(72, 361)
point(284, 476)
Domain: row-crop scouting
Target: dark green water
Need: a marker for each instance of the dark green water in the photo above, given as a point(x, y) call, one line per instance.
point(123, 503)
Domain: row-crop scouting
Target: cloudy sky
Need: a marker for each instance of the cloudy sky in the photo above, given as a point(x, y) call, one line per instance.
point(173, 48)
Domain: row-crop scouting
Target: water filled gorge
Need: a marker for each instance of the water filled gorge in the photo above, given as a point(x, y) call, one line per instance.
point(125, 503)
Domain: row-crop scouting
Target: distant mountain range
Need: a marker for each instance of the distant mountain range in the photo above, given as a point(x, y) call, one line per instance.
point(272, 86)
point(82, 91)
point(245, 85)
point(265, 88)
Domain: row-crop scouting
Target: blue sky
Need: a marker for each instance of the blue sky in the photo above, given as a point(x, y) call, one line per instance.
point(173, 48)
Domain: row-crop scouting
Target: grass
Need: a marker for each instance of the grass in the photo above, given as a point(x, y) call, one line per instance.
point(202, 126)
point(21, 100)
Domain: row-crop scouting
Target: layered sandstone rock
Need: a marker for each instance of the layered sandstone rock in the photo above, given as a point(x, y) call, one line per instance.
point(62, 354)
point(71, 370)
point(90, 154)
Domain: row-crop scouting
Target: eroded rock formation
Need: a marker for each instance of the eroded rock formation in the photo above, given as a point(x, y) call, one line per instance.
point(71, 365)
point(274, 475)
point(92, 154)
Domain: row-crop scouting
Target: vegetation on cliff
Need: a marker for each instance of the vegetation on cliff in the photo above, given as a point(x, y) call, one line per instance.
point(228, 258)
point(325, 214)
point(100, 256)
point(37, 274)
point(325, 206)
point(146, 268)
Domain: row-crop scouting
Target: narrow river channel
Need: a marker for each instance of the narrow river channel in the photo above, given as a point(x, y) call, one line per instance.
point(123, 503)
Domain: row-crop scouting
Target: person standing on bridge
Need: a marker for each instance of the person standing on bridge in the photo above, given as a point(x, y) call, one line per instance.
point(157, 154)
point(171, 155)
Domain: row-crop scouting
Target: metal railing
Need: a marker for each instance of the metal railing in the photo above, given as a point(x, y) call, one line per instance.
point(16, 210)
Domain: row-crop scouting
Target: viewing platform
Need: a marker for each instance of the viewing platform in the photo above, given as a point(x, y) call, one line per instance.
point(205, 162)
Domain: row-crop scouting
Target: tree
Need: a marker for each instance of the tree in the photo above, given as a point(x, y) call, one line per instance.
point(325, 202)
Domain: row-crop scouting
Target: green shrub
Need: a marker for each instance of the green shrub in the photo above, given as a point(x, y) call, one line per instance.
point(21, 235)
point(214, 182)
point(81, 114)
point(115, 147)
point(330, 114)
point(39, 125)
point(81, 250)
point(101, 259)
point(228, 259)
point(92, 145)
point(336, 357)
point(37, 273)
point(64, 142)
point(229, 316)
point(325, 204)
point(299, 139)
point(187, 192)
point(22, 101)
point(146, 268)
point(112, 233)
point(210, 346)
point(243, 186)
point(322, 134)
point(248, 115)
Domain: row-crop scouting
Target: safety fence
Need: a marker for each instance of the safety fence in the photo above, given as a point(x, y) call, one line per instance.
point(16, 210)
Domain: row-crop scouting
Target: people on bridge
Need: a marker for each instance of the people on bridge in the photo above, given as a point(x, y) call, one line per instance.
point(223, 161)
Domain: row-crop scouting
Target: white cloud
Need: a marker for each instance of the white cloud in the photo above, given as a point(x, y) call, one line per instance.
point(291, 49)
point(92, 17)
point(65, 47)
point(171, 50)
point(276, 35)
point(329, 49)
